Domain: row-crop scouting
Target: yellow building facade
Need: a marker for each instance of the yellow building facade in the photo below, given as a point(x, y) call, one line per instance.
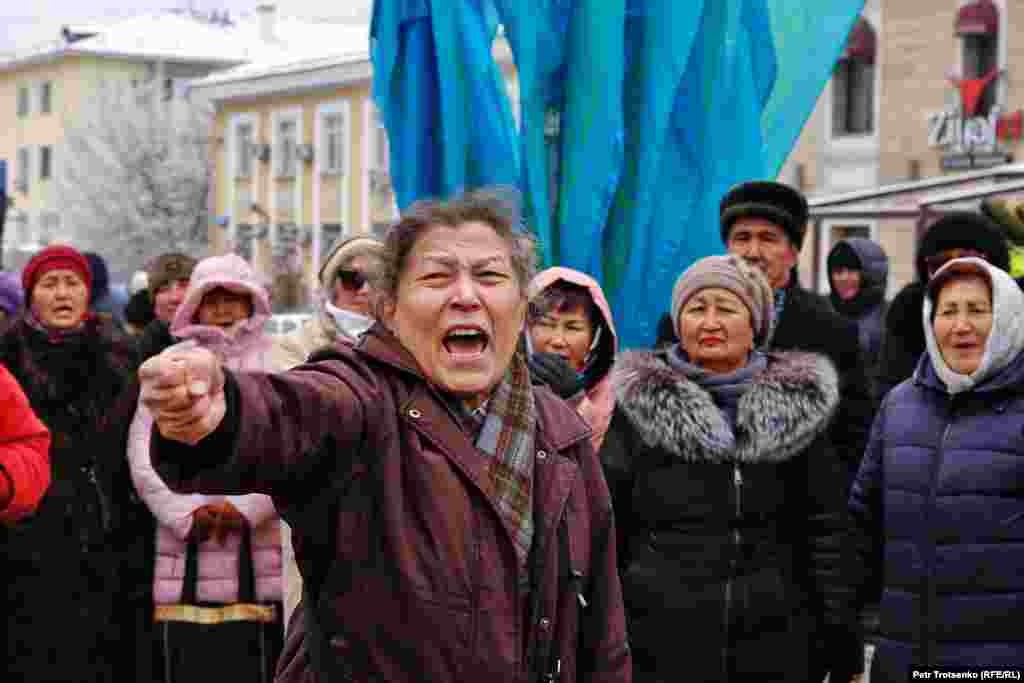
point(48, 88)
point(300, 161)
point(38, 100)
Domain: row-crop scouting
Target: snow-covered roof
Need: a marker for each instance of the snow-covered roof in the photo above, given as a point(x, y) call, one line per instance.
point(179, 37)
point(335, 45)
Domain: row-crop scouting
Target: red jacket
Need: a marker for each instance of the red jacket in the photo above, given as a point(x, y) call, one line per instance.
point(24, 452)
point(425, 584)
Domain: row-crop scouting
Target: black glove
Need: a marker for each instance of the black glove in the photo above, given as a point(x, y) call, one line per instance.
point(552, 370)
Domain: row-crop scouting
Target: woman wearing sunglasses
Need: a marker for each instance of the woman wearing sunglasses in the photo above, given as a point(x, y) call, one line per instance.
point(343, 302)
point(955, 235)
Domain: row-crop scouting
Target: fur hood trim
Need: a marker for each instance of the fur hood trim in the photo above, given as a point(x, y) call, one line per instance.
point(788, 405)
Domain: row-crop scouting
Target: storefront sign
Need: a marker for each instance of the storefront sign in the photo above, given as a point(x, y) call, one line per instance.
point(968, 160)
point(949, 130)
point(971, 141)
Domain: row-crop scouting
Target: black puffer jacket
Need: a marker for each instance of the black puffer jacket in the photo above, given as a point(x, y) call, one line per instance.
point(741, 545)
point(77, 572)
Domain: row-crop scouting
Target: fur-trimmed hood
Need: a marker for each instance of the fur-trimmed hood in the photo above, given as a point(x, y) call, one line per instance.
point(788, 405)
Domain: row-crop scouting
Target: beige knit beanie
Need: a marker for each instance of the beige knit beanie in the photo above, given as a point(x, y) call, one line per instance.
point(735, 275)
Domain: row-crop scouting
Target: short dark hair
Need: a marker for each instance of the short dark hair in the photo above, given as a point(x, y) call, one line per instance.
point(497, 208)
point(561, 296)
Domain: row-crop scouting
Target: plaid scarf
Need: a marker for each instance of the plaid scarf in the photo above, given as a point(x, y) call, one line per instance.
point(506, 435)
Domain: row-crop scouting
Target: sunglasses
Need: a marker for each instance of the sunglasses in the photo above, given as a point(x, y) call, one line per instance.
point(936, 261)
point(352, 280)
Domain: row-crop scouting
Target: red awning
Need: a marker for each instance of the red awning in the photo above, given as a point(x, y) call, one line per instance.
point(861, 43)
point(977, 17)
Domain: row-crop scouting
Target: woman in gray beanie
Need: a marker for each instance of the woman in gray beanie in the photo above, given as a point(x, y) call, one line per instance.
point(728, 496)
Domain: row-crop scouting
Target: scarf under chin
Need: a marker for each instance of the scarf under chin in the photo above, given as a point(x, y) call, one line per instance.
point(507, 436)
point(726, 389)
point(53, 334)
point(352, 325)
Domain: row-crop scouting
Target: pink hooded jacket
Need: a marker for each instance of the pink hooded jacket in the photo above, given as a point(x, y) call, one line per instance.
point(596, 408)
point(244, 347)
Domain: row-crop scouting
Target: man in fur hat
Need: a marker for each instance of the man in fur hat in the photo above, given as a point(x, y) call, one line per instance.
point(765, 223)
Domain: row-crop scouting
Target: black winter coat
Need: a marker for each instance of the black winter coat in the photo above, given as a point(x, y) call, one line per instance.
point(155, 337)
point(76, 573)
point(808, 323)
point(732, 554)
point(866, 309)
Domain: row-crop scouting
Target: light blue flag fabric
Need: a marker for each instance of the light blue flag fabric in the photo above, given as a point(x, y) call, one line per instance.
point(442, 97)
point(742, 76)
point(537, 37)
point(592, 132)
point(664, 106)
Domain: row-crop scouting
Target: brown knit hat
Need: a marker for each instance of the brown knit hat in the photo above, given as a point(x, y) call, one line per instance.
point(168, 268)
point(735, 275)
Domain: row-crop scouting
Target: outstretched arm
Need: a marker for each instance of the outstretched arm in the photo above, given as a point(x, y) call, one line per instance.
point(240, 433)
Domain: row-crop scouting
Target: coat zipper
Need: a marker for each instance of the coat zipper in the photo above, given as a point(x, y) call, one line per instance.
point(737, 541)
point(105, 517)
point(929, 579)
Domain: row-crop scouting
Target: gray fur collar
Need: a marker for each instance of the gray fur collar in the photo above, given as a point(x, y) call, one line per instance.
point(788, 405)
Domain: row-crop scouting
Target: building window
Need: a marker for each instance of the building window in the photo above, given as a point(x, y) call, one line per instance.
point(244, 241)
point(46, 98)
point(980, 63)
point(329, 234)
point(381, 149)
point(45, 162)
point(977, 26)
point(380, 159)
point(22, 101)
point(21, 179)
point(853, 84)
point(243, 150)
point(286, 141)
point(334, 143)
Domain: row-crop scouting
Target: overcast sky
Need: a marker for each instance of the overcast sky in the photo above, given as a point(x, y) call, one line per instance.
point(27, 22)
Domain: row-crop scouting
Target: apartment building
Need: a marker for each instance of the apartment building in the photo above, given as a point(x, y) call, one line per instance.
point(45, 89)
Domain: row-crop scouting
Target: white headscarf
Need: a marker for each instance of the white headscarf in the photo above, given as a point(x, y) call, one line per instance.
point(1005, 340)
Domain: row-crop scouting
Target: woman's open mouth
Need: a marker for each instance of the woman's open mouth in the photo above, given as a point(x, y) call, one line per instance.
point(466, 343)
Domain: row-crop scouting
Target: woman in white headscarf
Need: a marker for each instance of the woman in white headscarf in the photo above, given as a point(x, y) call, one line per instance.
point(939, 499)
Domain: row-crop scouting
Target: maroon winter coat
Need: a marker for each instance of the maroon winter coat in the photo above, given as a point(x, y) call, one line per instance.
point(425, 585)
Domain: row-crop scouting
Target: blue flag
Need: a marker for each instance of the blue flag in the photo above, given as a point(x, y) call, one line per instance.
point(742, 77)
point(442, 97)
point(636, 117)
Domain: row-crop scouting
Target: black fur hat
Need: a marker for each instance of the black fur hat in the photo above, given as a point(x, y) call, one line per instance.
point(963, 230)
point(781, 204)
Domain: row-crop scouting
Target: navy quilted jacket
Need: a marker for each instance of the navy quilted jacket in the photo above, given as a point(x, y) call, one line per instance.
point(939, 502)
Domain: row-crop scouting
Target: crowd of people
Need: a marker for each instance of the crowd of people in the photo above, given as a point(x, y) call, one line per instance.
point(452, 472)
